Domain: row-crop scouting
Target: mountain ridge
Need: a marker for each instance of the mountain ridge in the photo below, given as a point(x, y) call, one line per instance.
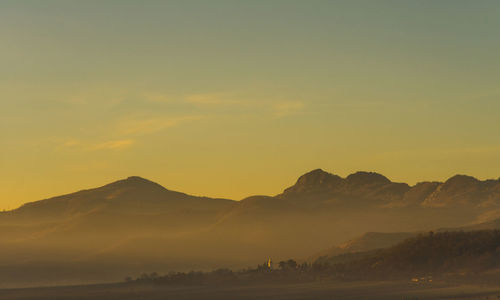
point(458, 189)
point(137, 220)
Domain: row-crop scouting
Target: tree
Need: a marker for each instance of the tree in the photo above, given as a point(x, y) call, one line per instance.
point(291, 264)
point(282, 265)
point(288, 265)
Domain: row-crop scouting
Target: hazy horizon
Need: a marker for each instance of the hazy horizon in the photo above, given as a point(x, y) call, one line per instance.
point(235, 98)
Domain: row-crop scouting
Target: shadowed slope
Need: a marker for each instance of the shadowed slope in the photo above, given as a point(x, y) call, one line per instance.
point(377, 240)
point(131, 193)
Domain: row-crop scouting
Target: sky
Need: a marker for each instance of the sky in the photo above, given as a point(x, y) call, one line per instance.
point(236, 98)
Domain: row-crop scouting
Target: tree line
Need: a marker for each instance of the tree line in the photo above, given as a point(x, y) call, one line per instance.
point(426, 254)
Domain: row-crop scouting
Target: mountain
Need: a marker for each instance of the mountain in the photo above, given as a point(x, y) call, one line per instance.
point(132, 193)
point(465, 190)
point(371, 241)
point(106, 225)
point(367, 187)
point(367, 242)
point(375, 189)
point(135, 225)
point(442, 253)
point(128, 206)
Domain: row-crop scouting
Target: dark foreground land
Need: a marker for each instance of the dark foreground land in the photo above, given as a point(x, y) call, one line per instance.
point(315, 290)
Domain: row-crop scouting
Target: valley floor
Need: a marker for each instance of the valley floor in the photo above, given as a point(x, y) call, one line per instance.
point(315, 290)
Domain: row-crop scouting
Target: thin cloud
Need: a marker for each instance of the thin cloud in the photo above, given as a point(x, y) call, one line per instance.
point(127, 132)
point(480, 150)
point(278, 109)
point(157, 97)
point(74, 144)
point(83, 99)
point(113, 145)
point(287, 108)
point(210, 99)
point(148, 126)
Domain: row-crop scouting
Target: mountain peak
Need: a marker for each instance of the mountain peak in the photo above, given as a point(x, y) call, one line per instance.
point(461, 180)
point(462, 190)
point(314, 180)
point(363, 178)
point(137, 179)
point(316, 177)
point(136, 182)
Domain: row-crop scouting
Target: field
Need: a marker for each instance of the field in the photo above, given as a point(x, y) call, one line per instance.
point(316, 290)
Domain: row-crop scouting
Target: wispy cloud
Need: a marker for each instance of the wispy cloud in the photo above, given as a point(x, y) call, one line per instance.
point(152, 125)
point(210, 99)
point(83, 99)
point(124, 134)
point(72, 143)
point(287, 108)
point(277, 108)
point(447, 152)
point(158, 97)
point(113, 145)
point(241, 104)
point(101, 145)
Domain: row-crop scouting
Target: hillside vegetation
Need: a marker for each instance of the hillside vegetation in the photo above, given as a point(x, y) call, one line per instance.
point(430, 253)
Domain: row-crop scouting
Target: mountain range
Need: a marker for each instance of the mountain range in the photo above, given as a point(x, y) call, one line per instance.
point(135, 225)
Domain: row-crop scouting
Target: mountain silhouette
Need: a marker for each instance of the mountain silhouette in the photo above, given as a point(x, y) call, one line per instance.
point(131, 193)
point(370, 241)
point(135, 224)
point(376, 189)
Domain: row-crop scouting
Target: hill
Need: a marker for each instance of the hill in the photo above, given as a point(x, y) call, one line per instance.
point(371, 241)
point(425, 254)
point(127, 206)
point(364, 243)
point(135, 225)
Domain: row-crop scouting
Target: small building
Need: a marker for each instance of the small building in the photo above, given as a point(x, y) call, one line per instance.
point(270, 263)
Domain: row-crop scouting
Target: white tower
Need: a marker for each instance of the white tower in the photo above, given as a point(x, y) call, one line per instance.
point(270, 263)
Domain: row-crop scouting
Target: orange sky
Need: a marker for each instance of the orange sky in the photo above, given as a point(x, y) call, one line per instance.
point(230, 99)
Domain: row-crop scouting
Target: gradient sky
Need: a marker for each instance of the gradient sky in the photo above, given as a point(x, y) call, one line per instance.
point(234, 98)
